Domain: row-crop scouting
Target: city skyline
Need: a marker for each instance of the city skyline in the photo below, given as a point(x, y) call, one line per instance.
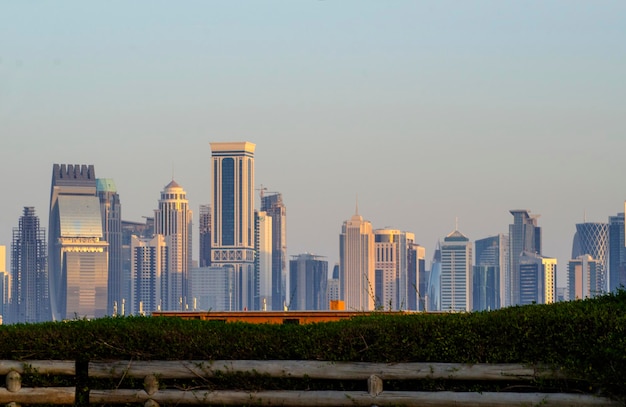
point(387, 102)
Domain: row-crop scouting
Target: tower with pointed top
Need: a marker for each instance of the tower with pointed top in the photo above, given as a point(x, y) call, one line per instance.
point(232, 220)
point(456, 273)
point(357, 264)
point(173, 221)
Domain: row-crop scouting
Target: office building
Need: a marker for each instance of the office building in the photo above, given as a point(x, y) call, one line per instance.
point(308, 277)
point(149, 267)
point(5, 287)
point(111, 210)
point(213, 288)
point(263, 262)
point(332, 288)
point(456, 273)
point(524, 236)
point(417, 287)
point(583, 274)
point(130, 229)
point(272, 203)
point(173, 220)
point(395, 281)
point(592, 238)
point(537, 279)
point(232, 220)
point(204, 229)
point(433, 300)
point(78, 259)
point(357, 260)
point(492, 262)
point(617, 253)
point(30, 299)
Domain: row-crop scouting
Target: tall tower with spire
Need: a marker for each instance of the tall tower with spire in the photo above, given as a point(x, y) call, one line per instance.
point(173, 221)
point(357, 264)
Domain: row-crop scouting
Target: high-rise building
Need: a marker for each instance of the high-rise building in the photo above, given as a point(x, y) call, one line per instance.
point(204, 228)
point(213, 288)
point(333, 285)
point(357, 264)
point(395, 281)
point(263, 262)
point(232, 221)
point(433, 302)
point(592, 238)
point(173, 220)
point(5, 287)
point(78, 260)
point(111, 210)
point(149, 267)
point(272, 203)
point(537, 279)
point(582, 277)
point(524, 236)
point(417, 287)
point(617, 252)
point(308, 277)
point(130, 229)
point(456, 273)
point(492, 262)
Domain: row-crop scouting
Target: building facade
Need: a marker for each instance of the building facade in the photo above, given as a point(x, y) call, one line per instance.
point(456, 273)
point(5, 287)
point(29, 271)
point(582, 277)
point(149, 267)
point(204, 229)
point(617, 253)
point(492, 263)
point(111, 210)
point(78, 259)
point(232, 221)
point(537, 279)
point(263, 263)
point(308, 276)
point(524, 236)
point(592, 238)
point(396, 277)
point(173, 220)
point(272, 203)
point(357, 260)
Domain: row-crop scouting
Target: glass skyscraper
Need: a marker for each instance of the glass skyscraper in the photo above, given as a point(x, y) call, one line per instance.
point(232, 221)
point(492, 263)
point(524, 236)
point(77, 253)
point(30, 299)
point(592, 238)
point(617, 253)
point(272, 203)
point(111, 210)
point(308, 276)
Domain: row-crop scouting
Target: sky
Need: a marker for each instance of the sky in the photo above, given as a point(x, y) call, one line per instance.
point(428, 114)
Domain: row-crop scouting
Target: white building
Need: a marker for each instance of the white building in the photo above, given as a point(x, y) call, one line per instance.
point(456, 273)
point(149, 266)
point(263, 270)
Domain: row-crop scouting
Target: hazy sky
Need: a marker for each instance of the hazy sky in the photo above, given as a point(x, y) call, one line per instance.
point(425, 110)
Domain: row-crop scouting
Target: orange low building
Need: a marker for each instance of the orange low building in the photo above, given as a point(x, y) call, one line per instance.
point(269, 317)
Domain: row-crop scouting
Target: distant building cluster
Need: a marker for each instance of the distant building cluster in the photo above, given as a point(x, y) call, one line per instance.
point(92, 263)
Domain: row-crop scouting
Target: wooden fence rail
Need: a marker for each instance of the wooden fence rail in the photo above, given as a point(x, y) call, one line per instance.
point(153, 393)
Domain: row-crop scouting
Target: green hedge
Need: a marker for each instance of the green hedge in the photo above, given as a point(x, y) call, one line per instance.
point(585, 338)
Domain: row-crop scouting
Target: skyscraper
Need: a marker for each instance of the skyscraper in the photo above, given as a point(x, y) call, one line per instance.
point(232, 222)
point(392, 286)
point(272, 203)
point(617, 252)
point(5, 287)
point(456, 273)
point(263, 262)
point(31, 302)
point(592, 238)
point(524, 236)
point(417, 287)
point(357, 264)
point(204, 229)
point(130, 229)
point(78, 260)
point(434, 281)
point(537, 279)
point(173, 220)
point(150, 262)
point(308, 283)
point(582, 276)
point(111, 210)
point(492, 263)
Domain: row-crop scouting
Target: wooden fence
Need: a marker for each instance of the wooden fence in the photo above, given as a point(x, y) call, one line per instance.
point(152, 374)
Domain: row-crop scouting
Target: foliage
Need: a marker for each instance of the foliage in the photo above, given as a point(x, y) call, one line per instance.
point(587, 339)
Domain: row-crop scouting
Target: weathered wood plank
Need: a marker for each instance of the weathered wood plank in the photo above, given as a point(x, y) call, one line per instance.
point(339, 398)
point(58, 367)
point(39, 395)
point(320, 370)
